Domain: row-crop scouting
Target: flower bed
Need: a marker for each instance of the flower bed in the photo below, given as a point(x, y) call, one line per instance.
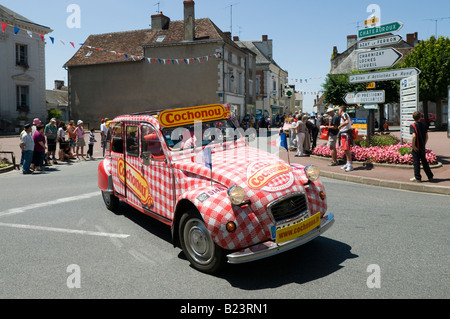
point(392, 154)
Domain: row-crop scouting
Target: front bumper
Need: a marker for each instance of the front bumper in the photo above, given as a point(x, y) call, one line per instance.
point(270, 248)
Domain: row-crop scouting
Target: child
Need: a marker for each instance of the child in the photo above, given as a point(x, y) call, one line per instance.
point(91, 143)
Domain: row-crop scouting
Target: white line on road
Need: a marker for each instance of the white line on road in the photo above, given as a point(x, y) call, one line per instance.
point(23, 209)
point(63, 230)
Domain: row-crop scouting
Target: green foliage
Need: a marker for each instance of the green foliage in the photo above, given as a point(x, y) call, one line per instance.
point(432, 57)
point(54, 114)
point(378, 140)
point(383, 140)
point(405, 150)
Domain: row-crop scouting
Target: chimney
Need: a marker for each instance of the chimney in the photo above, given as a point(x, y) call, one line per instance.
point(411, 39)
point(59, 84)
point(235, 38)
point(266, 46)
point(160, 22)
point(189, 20)
point(351, 40)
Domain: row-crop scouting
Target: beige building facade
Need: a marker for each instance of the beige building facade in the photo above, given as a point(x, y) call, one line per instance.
point(173, 64)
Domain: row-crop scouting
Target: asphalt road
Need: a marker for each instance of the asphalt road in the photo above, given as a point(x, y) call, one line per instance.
point(59, 241)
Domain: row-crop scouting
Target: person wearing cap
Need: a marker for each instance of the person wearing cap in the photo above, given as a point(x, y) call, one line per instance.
point(51, 132)
point(36, 122)
point(79, 132)
point(333, 130)
point(27, 146)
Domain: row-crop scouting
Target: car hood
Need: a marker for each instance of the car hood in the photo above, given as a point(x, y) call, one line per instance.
point(250, 168)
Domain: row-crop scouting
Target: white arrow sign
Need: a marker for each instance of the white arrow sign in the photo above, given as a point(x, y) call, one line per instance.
point(376, 59)
point(367, 97)
point(383, 75)
point(379, 42)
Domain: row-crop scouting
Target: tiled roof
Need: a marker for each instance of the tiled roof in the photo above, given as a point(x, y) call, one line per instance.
point(133, 42)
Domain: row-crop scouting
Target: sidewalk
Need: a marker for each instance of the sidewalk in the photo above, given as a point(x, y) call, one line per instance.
point(386, 175)
point(383, 176)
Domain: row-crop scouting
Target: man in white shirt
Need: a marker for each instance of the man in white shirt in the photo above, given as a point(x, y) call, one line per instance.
point(345, 130)
point(104, 133)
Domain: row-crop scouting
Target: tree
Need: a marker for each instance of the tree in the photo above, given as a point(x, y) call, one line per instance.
point(432, 57)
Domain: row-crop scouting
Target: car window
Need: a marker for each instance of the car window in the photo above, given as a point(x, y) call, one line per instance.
point(116, 137)
point(200, 135)
point(151, 145)
point(132, 141)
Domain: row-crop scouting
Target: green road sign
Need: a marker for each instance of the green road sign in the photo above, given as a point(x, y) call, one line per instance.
point(382, 29)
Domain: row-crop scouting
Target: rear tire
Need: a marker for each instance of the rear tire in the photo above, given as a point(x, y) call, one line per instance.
point(197, 244)
point(111, 201)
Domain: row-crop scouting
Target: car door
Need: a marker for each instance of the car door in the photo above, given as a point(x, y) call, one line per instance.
point(118, 158)
point(158, 172)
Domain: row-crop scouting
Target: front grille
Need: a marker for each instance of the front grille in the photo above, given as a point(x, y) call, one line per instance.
point(288, 207)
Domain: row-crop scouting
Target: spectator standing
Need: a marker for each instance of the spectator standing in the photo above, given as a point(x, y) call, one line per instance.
point(79, 132)
point(300, 131)
point(333, 133)
point(345, 130)
point(72, 136)
point(92, 140)
point(27, 146)
point(419, 133)
point(51, 132)
point(39, 148)
point(104, 134)
point(62, 141)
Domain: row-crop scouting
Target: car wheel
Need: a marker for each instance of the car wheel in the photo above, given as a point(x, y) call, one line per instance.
point(198, 246)
point(111, 201)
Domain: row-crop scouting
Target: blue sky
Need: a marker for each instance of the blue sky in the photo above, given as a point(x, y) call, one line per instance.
point(303, 31)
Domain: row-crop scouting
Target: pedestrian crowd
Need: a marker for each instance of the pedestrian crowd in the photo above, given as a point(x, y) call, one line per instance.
point(39, 143)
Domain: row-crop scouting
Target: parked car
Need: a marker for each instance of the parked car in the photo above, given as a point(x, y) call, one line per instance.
point(191, 169)
point(431, 118)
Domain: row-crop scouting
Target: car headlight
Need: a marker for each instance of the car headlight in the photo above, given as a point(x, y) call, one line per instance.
point(236, 194)
point(312, 172)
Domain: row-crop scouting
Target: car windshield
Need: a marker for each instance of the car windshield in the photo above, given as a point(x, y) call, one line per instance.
point(200, 134)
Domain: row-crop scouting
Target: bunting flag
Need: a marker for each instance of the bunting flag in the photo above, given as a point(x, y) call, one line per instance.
point(161, 61)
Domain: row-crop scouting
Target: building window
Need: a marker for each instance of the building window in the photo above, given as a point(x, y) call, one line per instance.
point(23, 98)
point(22, 55)
point(240, 86)
point(258, 84)
point(132, 141)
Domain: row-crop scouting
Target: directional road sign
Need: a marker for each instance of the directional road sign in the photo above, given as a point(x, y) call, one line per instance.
point(383, 75)
point(379, 42)
point(367, 97)
point(377, 59)
point(382, 29)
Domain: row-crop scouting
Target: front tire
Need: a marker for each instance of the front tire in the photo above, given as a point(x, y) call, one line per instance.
point(111, 201)
point(198, 246)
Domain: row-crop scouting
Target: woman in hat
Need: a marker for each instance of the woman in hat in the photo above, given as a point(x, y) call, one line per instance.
point(79, 132)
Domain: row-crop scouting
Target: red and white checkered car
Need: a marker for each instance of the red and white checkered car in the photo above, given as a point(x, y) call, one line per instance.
point(192, 169)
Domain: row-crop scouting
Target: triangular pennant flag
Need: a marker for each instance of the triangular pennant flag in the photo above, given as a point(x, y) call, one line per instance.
point(52, 39)
point(42, 37)
point(4, 25)
point(73, 44)
point(30, 33)
point(63, 43)
point(16, 30)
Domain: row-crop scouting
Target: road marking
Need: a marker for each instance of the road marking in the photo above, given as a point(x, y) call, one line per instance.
point(23, 209)
point(64, 230)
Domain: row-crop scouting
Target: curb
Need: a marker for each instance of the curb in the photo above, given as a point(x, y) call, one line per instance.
point(6, 169)
point(414, 187)
point(432, 166)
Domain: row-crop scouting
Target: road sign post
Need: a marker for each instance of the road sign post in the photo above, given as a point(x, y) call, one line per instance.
point(377, 59)
point(368, 97)
point(382, 29)
point(389, 75)
point(409, 103)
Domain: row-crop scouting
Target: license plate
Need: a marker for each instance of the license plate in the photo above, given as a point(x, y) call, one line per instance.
point(294, 231)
